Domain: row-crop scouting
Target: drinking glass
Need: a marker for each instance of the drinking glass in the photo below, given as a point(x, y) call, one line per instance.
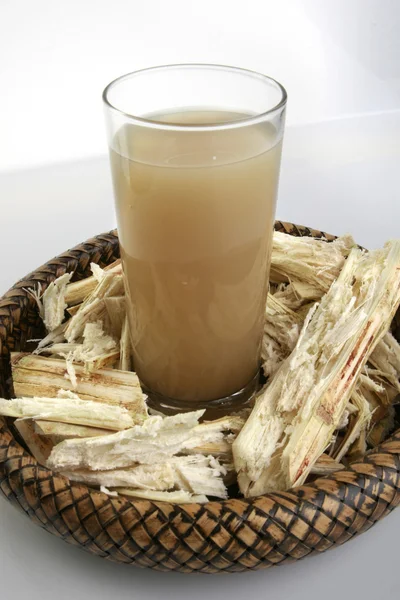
point(195, 156)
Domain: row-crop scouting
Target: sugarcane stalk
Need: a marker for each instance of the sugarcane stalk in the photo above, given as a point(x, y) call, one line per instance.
point(42, 376)
point(116, 312)
point(53, 301)
point(154, 441)
point(66, 431)
point(358, 423)
point(78, 291)
point(296, 415)
point(68, 410)
point(311, 265)
point(194, 474)
point(386, 358)
point(72, 310)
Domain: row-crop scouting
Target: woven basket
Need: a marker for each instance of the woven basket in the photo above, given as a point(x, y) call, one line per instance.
point(230, 535)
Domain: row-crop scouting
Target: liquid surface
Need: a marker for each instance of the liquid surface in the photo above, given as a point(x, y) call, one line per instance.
point(195, 215)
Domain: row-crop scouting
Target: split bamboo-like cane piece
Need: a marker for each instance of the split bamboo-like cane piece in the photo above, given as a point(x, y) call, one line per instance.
point(296, 415)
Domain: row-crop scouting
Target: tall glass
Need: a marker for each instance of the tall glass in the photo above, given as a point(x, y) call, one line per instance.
point(195, 155)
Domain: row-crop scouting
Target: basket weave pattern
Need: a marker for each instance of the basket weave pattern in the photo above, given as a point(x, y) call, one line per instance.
point(230, 535)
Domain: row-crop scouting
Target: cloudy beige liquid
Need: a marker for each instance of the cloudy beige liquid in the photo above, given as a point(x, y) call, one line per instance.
point(195, 215)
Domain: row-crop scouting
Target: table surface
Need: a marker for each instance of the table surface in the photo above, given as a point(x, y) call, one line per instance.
point(338, 176)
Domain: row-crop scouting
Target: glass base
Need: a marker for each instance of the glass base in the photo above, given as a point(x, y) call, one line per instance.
point(214, 408)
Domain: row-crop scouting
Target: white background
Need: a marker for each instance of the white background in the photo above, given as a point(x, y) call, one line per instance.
point(338, 59)
point(335, 57)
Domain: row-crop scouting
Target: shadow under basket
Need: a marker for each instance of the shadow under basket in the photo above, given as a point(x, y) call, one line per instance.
point(223, 536)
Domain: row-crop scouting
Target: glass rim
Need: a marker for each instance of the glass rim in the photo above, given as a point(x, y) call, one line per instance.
point(250, 120)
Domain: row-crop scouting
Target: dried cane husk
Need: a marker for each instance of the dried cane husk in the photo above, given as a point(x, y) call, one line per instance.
point(72, 310)
point(296, 415)
point(54, 303)
point(200, 474)
point(54, 337)
point(215, 437)
point(42, 376)
point(93, 308)
point(116, 312)
point(195, 474)
point(281, 332)
point(155, 440)
point(78, 291)
point(68, 410)
point(66, 431)
point(358, 424)
point(221, 449)
point(386, 359)
point(97, 350)
point(311, 265)
point(159, 476)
